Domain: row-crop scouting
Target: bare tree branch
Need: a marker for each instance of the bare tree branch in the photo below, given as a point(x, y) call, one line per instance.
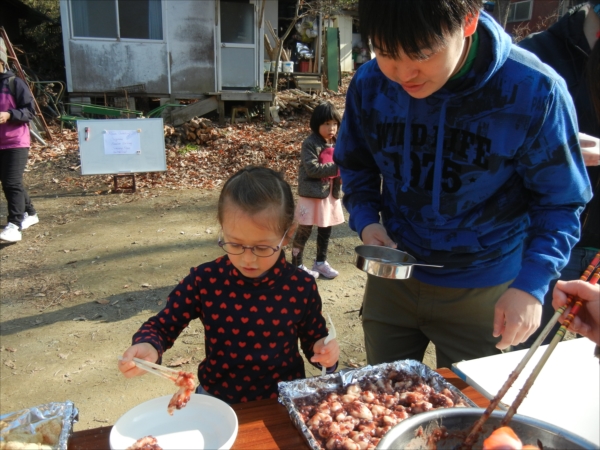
point(296, 18)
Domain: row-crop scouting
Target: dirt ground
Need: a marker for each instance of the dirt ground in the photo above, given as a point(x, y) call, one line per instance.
point(80, 283)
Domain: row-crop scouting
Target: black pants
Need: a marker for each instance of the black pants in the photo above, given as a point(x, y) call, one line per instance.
point(12, 166)
point(302, 235)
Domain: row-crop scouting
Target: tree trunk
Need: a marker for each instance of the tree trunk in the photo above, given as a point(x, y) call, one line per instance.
point(501, 12)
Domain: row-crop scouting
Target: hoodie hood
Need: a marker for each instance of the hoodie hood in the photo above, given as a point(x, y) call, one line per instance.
point(6, 75)
point(494, 51)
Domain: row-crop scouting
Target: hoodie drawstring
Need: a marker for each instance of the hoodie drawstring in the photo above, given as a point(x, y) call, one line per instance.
point(437, 169)
point(407, 160)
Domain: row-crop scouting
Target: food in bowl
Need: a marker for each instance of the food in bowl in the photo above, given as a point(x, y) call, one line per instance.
point(359, 415)
point(504, 438)
point(446, 429)
point(145, 443)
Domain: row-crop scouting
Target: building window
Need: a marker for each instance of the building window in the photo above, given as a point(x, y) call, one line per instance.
point(128, 19)
point(520, 11)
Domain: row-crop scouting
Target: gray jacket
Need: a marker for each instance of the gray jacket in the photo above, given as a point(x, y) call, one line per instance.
point(312, 175)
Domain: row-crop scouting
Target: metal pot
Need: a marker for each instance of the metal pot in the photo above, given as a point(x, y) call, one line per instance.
point(386, 262)
point(459, 421)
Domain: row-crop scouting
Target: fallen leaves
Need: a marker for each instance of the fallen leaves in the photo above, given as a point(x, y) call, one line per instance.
point(179, 362)
point(200, 154)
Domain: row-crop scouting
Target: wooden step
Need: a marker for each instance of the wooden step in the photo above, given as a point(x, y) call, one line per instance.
point(197, 109)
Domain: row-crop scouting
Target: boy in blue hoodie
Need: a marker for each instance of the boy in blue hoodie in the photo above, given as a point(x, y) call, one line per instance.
point(460, 149)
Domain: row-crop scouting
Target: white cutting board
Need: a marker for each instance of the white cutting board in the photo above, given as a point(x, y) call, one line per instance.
point(566, 393)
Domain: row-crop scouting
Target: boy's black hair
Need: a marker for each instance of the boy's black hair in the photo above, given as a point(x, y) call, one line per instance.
point(412, 25)
point(254, 189)
point(324, 113)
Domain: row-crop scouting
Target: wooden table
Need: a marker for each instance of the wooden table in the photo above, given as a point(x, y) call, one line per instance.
point(263, 424)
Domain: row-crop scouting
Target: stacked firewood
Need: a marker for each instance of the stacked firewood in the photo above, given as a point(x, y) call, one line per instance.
point(198, 130)
point(292, 100)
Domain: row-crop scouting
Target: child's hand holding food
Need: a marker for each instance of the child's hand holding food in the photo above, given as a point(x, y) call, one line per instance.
point(143, 351)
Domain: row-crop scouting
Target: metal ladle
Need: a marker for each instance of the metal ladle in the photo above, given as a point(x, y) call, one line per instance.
point(386, 262)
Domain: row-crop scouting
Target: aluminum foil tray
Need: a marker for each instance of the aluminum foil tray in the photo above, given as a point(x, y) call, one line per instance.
point(289, 391)
point(26, 422)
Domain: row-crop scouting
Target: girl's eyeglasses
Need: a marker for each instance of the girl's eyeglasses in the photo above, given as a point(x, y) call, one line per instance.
point(262, 251)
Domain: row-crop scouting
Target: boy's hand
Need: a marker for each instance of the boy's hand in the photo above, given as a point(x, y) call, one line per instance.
point(326, 355)
point(517, 315)
point(143, 351)
point(375, 234)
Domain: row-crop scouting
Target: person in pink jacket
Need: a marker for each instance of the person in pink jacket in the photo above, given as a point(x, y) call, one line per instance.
point(16, 110)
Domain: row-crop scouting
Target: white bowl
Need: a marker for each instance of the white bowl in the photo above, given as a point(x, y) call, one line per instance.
point(204, 423)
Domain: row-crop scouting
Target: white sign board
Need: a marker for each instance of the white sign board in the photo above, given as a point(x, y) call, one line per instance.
point(121, 146)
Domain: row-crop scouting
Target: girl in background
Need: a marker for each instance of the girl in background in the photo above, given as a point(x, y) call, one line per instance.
point(253, 304)
point(319, 188)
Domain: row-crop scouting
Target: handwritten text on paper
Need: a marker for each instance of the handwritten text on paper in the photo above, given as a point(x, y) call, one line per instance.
point(121, 142)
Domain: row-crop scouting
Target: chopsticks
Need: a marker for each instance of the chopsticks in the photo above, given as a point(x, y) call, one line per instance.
point(156, 369)
point(471, 437)
point(555, 340)
point(331, 336)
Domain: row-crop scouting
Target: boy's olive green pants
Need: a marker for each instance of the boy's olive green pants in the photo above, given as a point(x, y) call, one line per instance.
point(400, 317)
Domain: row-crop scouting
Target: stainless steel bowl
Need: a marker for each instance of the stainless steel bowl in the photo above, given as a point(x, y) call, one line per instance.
point(460, 420)
point(385, 262)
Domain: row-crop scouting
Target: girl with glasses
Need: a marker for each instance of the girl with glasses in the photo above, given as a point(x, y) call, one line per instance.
point(254, 305)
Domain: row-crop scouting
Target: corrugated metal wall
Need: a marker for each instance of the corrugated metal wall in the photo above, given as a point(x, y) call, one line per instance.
point(187, 52)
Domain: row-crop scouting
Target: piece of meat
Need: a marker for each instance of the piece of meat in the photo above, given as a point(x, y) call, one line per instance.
point(187, 385)
point(145, 443)
point(504, 438)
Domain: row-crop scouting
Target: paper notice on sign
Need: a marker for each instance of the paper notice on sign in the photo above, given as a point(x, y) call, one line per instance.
point(122, 142)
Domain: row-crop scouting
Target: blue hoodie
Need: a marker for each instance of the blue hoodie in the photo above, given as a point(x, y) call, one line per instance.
point(484, 177)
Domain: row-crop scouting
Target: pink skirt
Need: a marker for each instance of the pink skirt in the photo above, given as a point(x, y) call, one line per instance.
point(322, 212)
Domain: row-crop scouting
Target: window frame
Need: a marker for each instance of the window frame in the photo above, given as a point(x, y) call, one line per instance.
point(512, 8)
point(118, 36)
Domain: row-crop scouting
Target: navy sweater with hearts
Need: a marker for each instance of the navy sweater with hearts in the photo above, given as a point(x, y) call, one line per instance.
point(252, 326)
